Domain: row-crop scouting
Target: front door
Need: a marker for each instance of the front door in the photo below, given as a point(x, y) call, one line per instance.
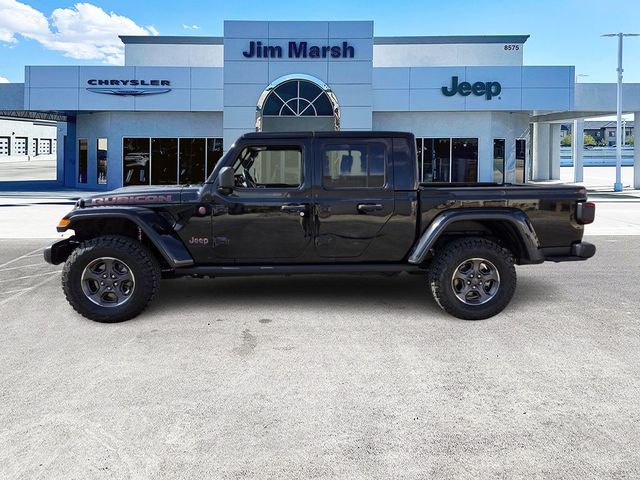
point(266, 217)
point(353, 196)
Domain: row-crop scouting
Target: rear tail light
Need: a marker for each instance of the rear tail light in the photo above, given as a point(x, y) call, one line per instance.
point(585, 212)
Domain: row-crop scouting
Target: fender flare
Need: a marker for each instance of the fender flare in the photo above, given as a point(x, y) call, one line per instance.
point(171, 248)
point(517, 218)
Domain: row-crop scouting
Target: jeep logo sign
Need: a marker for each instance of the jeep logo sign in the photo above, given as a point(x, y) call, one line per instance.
point(488, 89)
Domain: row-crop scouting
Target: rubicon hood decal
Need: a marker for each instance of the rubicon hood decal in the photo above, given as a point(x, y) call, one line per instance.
point(132, 199)
point(145, 195)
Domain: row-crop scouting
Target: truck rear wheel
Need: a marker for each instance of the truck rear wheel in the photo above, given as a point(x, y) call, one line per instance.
point(473, 278)
point(110, 279)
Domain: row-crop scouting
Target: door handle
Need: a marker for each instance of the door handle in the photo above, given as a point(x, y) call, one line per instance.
point(300, 209)
point(369, 207)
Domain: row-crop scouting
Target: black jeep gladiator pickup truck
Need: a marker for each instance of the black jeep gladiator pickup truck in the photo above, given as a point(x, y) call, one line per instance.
point(308, 203)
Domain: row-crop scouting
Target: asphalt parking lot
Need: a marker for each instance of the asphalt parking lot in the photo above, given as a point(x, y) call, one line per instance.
point(324, 377)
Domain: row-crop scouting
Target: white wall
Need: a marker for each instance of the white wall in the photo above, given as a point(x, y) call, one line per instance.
point(543, 88)
point(435, 55)
point(181, 55)
point(66, 88)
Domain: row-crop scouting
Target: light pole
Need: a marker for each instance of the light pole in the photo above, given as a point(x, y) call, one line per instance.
point(617, 187)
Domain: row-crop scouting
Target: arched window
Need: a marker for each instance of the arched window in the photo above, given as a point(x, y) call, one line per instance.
point(293, 96)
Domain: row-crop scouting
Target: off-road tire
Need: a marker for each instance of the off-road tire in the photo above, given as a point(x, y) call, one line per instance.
point(137, 257)
point(455, 253)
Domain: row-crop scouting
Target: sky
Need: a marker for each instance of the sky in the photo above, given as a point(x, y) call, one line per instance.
point(45, 32)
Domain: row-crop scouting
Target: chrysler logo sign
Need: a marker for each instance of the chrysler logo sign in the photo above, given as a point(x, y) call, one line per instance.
point(128, 88)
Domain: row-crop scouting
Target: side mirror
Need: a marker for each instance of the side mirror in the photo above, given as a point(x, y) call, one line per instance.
point(226, 180)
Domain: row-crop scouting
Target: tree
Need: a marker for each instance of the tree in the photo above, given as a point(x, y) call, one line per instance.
point(630, 140)
point(590, 141)
point(566, 140)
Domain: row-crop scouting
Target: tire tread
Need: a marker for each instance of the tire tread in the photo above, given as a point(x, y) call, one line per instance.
point(447, 256)
point(151, 270)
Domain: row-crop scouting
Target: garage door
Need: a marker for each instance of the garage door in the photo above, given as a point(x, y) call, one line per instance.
point(44, 146)
point(4, 145)
point(20, 146)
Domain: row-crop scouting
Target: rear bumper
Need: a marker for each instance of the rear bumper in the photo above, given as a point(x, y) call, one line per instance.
point(59, 251)
point(579, 251)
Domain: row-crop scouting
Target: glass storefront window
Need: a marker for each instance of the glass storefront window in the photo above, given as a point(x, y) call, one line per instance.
point(101, 160)
point(464, 160)
point(192, 160)
point(136, 154)
point(164, 161)
point(82, 160)
point(168, 161)
point(214, 153)
point(521, 158)
point(436, 157)
point(498, 160)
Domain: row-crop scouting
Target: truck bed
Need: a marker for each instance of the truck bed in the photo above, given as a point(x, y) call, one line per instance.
point(551, 208)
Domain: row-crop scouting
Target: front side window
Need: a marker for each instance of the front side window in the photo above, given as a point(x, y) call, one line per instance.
point(354, 166)
point(269, 167)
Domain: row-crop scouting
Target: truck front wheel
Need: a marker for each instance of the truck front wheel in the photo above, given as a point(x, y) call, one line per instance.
point(110, 279)
point(473, 278)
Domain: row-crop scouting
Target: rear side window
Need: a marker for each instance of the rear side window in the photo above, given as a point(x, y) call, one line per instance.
point(354, 165)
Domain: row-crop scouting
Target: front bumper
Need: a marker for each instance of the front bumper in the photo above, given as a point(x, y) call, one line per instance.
point(59, 251)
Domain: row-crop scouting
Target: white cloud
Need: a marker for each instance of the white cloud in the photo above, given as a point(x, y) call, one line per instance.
point(190, 27)
point(3, 80)
point(85, 32)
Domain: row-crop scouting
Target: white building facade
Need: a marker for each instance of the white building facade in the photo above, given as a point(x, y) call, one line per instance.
point(167, 115)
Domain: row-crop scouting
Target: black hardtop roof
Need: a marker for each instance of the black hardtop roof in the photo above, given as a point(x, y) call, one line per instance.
point(341, 134)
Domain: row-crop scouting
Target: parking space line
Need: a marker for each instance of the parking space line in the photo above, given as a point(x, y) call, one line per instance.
point(14, 291)
point(21, 292)
point(28, 276)
point(39, 249)
point(23, 266)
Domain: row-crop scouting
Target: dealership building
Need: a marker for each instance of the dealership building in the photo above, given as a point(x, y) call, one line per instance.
point(167, 115)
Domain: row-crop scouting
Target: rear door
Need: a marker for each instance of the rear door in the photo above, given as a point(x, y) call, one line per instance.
point(353, 196)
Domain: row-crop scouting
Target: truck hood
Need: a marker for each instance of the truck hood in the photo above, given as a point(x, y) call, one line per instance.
point(145, 195)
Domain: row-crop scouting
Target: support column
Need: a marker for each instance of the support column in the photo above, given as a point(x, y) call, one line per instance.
point(577, 148)
point(540, 147)
point(554, 151)
point(636, 151)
